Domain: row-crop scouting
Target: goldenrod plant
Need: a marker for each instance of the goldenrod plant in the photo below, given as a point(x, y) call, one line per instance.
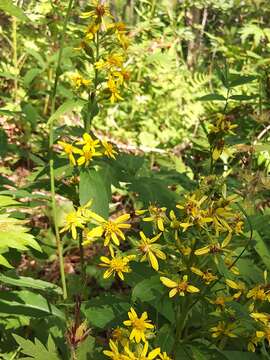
point(115, 241)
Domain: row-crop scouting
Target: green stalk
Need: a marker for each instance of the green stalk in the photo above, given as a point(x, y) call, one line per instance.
point(15, 56)
point(92, 96)
point(82, 262)
point(51, 162)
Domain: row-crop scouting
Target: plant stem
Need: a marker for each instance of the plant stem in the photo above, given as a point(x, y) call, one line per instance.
point(82, 262)
point(51, 162)
point(15, 56)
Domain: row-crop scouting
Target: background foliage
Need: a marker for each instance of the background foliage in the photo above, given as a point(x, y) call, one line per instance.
point(189, 61)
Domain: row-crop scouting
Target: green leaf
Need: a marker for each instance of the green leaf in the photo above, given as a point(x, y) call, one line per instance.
point(7, 201)
point(30, 75)
point(13, 234)
point(8, 7)
point(68, 106)
point(165, 338)
point(239, 355)
point(100, 316)
point(36, 350)
point(4, 262)
point(27, 303)
point(212, 97)
point(236, 80)
point(86, 348)
point(3, 143)
point(262, 249)
point(28, 282)
point(147, 289)
point(243, 97)
point(94, 186)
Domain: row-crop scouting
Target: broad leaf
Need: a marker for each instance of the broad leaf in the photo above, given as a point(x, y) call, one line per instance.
point(27, 303)
point(96, 187)
point(8, 7)
point(28, 282)
point(36, 350)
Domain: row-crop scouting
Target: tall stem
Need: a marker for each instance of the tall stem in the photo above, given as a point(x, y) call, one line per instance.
point(15, 56)
point(82, 262)
point(51, 163)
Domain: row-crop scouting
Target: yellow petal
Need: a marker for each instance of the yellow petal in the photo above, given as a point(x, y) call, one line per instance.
point(95, 232)
point(105, 260)
point(154, 353)
point(153, 260)
point(167, 282)
point(232, 284)
point(160, 224)
point(173, 292)
point(122, 218)
point(202, 251)
point(192, 289)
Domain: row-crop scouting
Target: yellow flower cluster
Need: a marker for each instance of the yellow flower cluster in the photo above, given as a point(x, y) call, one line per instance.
point(90, 148)
point(108, 59)
point(222, 127)
point(133, 344)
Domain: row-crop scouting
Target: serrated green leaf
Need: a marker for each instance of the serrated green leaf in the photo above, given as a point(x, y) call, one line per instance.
point(13, 234)
point(36, 350)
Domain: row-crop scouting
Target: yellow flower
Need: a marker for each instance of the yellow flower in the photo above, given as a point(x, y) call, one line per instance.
point(220, 301)
point(88, 142)
point(223, 124)
point(121, 335)
point(79, 81)
point(174, 224)
point(73, 221)
point(195, 215)
point(109, 150)
point(117, 265)
point(97, 12)
point(121, 76)
point(157, 216)
point(260, 293)
point(86, 155)
point(215, 248)
point(223, 329)
point(113, 61)
point(151, 250)
point(253, 343)
point(139, 325)
point(164, 356)
point(182, 286)
point(115, 94)
point(110, 229)
point(262, 317)
point(113, 353)
point(141, 353)
point(206, 276)
point(68, 150)
point(240, 287)
point(91, 30)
